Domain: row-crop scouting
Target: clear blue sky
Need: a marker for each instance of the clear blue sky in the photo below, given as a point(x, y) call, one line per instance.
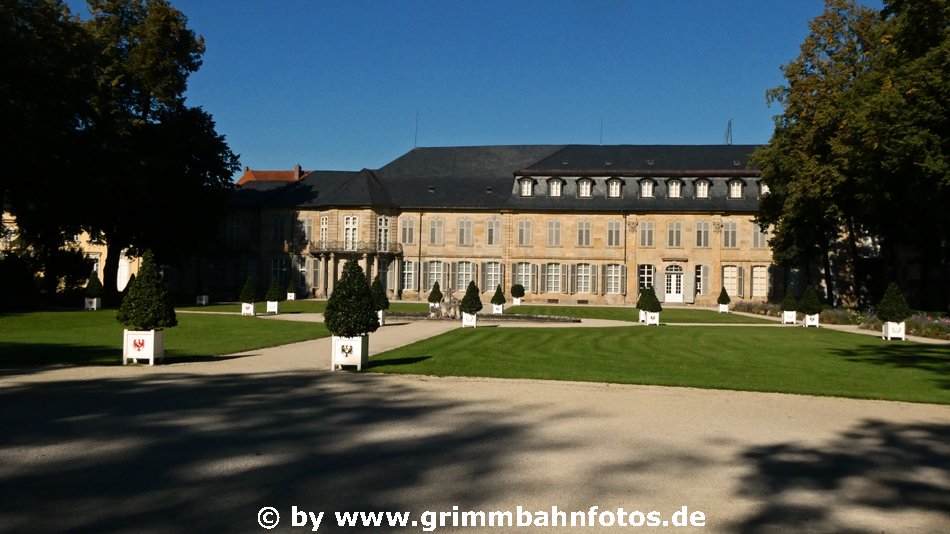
point(338, 84)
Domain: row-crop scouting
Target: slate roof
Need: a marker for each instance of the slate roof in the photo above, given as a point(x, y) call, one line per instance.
point(484, 177)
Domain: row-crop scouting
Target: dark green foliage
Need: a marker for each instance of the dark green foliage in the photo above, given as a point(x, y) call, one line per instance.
point(350, 310)
point(648, 301)
point(274, 294)
point(436, 294)
point(248, 293)
point(809, 303)
point(380, 300)
point(893, 307)
point(517, 291)
point(147, 305)
point(789, 303)
point(94, 287)
point(471, 303)
point(292, 283)
point(723, 297)
point(499, 297)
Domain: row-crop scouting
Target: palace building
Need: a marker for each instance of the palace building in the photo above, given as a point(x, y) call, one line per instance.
point(573, 224)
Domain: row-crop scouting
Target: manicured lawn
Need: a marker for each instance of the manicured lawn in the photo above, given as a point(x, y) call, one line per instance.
point(95, 338)
point(669, 315)
point(301, 306)
point(789, 360)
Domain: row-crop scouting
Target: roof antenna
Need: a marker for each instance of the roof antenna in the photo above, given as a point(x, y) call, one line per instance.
point(728, 137)
point(415, 139)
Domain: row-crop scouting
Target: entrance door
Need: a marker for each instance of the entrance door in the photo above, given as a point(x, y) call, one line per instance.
point(674, 284)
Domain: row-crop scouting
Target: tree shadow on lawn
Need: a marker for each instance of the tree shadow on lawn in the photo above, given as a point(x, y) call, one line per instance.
point(165, 452)
point(398, 361)
point(934, 359)
point(893, 468)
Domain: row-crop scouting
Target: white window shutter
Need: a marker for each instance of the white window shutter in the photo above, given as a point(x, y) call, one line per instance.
point(689, 285)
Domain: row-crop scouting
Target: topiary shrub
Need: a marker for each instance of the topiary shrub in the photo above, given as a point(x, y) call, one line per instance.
point(94, 288)
point(517, 291)
point(350, 310)
point(380, 300)
point(809, 303)
point(723, 297)
point(789, 303)
point(435, 295)
point(499, 297)
point(248, 292)
point(471, 304)
point(648, 301)
point(274, 294)
point(146, 305)
point(893, 307)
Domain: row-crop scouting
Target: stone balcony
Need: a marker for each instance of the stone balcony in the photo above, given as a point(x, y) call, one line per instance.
point(355, 247)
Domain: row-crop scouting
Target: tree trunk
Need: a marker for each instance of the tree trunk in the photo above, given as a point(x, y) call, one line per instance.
point(110, 273)
point(859, 285)
point(829, 276)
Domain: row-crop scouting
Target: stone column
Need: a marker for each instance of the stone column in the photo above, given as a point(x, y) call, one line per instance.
point(331, 274)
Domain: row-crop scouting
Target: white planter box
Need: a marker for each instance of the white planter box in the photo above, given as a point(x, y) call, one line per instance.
point(469, 319)
point(892, 330)
point(349, 351)
point(382, 317)
point(498, 309)
point(652, 318)
point(434, 307)
point(789, 317)
point(291, 296)
point(723, 308)
point(93, 304)
point(143, 345)
point(247, 308)
point(643, 316)
point(202, 300)
point(811, 320)
point(273, 306)
point(517, 301)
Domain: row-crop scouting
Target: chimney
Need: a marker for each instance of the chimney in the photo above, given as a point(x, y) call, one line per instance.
point(298, 172)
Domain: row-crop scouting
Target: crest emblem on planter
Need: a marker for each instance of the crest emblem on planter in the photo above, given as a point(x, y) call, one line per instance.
point(347, 350)
point(138, 344)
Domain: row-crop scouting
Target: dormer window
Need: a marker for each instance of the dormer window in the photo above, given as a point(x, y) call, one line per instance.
point(554, 187)
point(527, 187)
point(763, 189)
point(702, 189)
point(584, 187)
point(613, 188)
point(735, 189)
point(674, 189)
point(646, 189)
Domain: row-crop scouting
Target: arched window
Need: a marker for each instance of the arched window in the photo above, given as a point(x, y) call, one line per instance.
point(584, 187)
point(554, 187)
point(527, 187)
point(613, 188)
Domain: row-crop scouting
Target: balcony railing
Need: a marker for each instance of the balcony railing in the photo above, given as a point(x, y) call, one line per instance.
point(355, 247)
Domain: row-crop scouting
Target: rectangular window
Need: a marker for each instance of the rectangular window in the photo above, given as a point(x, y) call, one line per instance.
point(614, 278)
point(278, 270)
point(554, 188)
point(613, 233)
point(646, 233)
point(464, 274)
point(436, 228)
point(583, 234)
point(465, 232)
point(613, 189)
point(645, 276)
point(582, 278)
point(760, 239)
point(524, 233)
point(307, 229)
point(702, 279)
point(674, 234)
point(674, 188)
point(730, 280)
point(408, 228)
point(760, 282)
point(408, 275)
point(735, 189)
point(702, 234)
point(324, 229)
point(646, 189)
point(382, 233)
point(554, 233)
point(350, 232)
point(584, 188)
point(492, 276)
point(493, 232)
point(523, 275)
point(277, 230)
point(552, 278)
point(702, 189)
point(729, 231)
point(436, 271)
point(234, 231)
